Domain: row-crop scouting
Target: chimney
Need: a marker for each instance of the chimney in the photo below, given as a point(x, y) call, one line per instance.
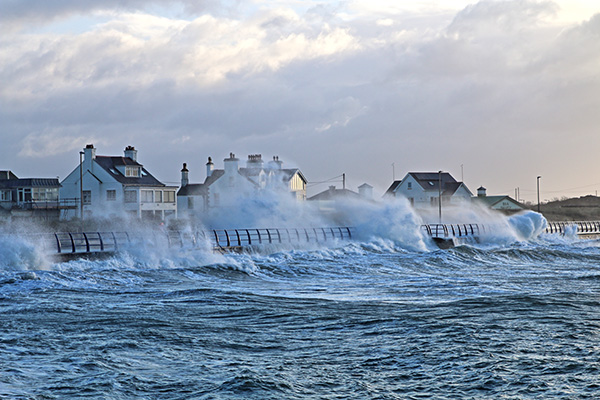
point(209, 167)
point(131, 152)
point(89, 152)
point(366, 191)
point(481, 192)
point(184, 175)
point(254, 161)
point(275, 164)
point(231, 164)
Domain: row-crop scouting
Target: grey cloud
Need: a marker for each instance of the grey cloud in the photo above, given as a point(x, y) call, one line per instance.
point(500, 95)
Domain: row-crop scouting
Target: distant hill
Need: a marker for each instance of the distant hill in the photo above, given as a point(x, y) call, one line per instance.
point(586, 208)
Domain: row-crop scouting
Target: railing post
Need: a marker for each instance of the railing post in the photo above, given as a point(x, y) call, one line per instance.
point(87, 243)
point(72, 242)
point(57, 243)
point(259, 237)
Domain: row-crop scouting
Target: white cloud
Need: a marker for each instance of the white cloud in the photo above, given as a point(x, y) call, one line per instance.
point(503, 87)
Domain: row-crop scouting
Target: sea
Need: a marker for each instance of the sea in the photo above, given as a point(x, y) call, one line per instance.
point(509, 317)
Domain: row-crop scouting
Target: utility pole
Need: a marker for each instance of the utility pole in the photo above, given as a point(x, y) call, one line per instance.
point(344, 180)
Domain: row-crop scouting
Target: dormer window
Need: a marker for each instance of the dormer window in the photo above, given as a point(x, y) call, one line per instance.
point(132, 172)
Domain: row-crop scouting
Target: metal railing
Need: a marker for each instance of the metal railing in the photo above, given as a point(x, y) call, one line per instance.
point(65, 243)
point(580, 227)
point(453, 230)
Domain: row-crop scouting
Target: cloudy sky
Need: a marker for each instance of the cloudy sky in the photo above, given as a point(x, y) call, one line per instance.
point(496, 91)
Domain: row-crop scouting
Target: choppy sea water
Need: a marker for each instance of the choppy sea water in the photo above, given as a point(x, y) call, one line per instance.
point(361, 320)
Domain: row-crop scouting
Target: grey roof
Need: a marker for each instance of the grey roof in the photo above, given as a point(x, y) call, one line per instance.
point(29, 183)
point(193, 189)
point(430, 180)
point(110, 163)
point(250, 173)
point(491, 201)
point(332, 193)
point(7, 175)
point(392, 188)
point(216, 174)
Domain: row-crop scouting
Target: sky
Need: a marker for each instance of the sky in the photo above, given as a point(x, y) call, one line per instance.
point(495, 92)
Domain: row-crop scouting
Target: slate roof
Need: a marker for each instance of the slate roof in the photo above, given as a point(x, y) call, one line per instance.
point(193, 189)
point(392, 188)
point(7, 175)
point(30, 182)
point(491, 201)
point(109, 164)
point(430, 180)
point(216, 174)
point(333, 193)
point(250, 173)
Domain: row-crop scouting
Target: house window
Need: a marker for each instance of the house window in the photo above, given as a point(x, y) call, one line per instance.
point(87, 197)
point(169, 196)
point(132, 172)
point(5, 195)
point(111, 195)
point(158, 196)
point(130, 196)
point(45, 194)
point(147, 196)
point(409, 185)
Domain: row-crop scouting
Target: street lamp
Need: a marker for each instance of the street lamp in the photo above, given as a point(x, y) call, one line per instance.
point(81, 186)
point(538, 192)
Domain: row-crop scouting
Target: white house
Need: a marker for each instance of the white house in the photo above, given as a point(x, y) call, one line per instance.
point(117, 185)
point(226, 187)
point(423, 189)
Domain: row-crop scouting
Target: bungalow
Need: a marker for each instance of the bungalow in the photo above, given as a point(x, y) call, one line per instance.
point(329, 200)
point(117, 185)
point(423, 189)
point(226, 187)
point(504, 204)
point(29, 197)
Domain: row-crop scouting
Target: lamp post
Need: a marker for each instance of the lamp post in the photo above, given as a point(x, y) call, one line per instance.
point(81, 186)
point(440, 194)
point(538, 192)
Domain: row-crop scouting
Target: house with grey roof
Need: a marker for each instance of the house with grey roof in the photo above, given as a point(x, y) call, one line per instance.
point(502, 203)
point(228, 186)
point(29, 197)
point(105, 186)
point(423, 189)
point(329, 201)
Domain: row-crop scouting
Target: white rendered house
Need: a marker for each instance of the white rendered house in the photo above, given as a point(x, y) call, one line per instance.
point(423, 189)
point(226, 187)
point(117, 186)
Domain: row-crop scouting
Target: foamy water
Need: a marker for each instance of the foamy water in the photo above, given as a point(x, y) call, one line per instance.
point(386, 316)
